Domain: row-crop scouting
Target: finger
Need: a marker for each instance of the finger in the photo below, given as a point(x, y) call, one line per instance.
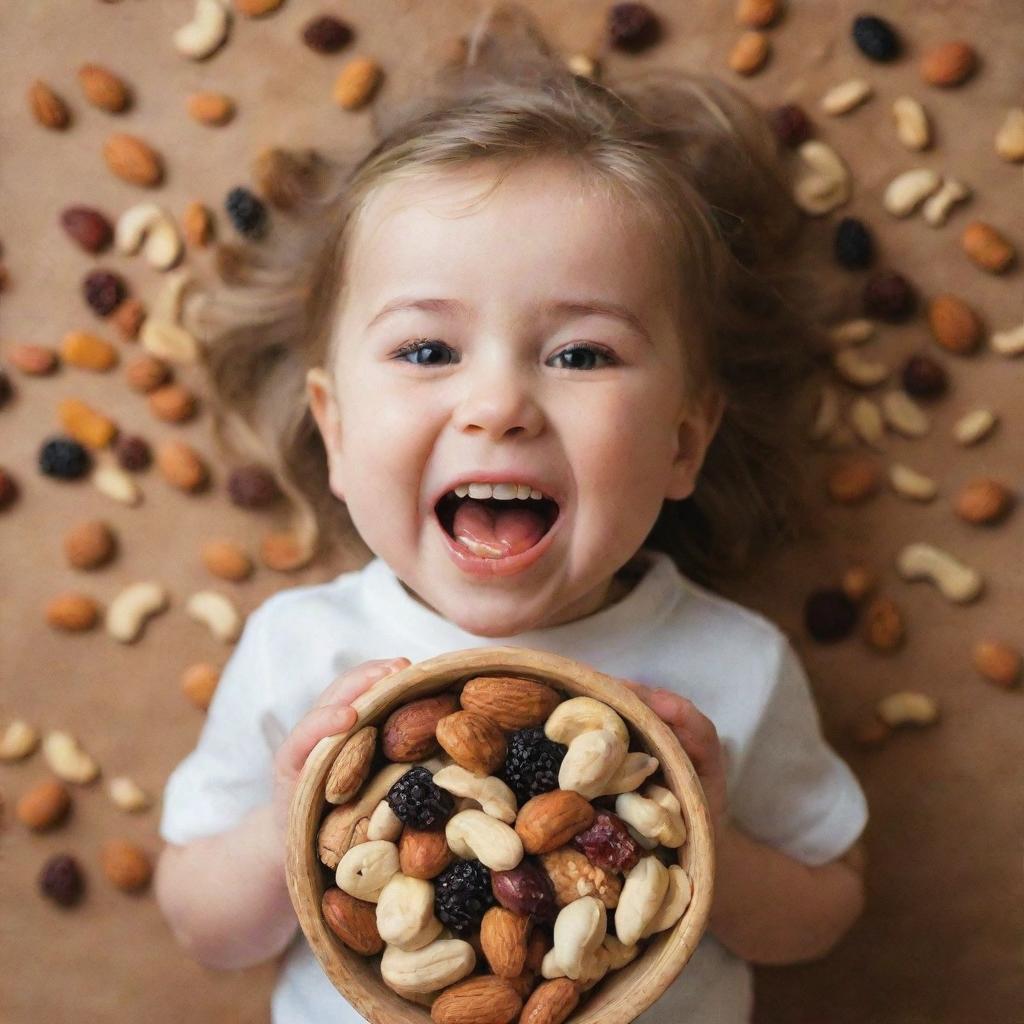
point(320, 722)
point(356, 681)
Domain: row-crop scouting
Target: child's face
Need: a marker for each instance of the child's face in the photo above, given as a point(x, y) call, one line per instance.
point(501, 287)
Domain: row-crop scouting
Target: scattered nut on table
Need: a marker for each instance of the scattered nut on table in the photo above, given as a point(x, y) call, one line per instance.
point(216, 611)
point(955, 581)
point(133, 608)
point(66, 758)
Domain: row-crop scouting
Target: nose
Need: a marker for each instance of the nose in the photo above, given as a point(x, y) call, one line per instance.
point(498, 400)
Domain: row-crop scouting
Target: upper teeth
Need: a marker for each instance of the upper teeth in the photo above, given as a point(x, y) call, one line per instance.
point(505, 492)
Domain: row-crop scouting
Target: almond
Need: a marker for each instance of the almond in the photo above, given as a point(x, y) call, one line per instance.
point(472, 741)
point(72, 612)
point(352, 920)
point(44, 806)
point(88, 227)
point(284, 552)
point(89, 545)
point(551, 1002)
point(147, 373)
point(357, 82)
point(181, 466)
point(199, 683)
point(172, 403)
point(212, 108)
point(256, 8)
point(126, 865)
point(987, 248)
point(226, 560)
point(884, 629)
point(88, 351)
point(342, 828)
point(511, 702)
point(197, 225)
point(949, 64)
point(955, 326)
point(47, 107)
point(983, 501)
point(550, 820)
point(483, 1000)
point(34, 360)
point(423, 854)
point(573, 876)
point(103, 89)
point(757, 13)
point(351, 766)
point(128, 318)
point(999, 663)
point(133, 160)
point(503, 938)
point(853, 480)
point(408, 733)
point(750, 53)
point(85, 424)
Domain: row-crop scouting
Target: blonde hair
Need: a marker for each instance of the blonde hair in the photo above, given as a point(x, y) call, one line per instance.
point(684, 147)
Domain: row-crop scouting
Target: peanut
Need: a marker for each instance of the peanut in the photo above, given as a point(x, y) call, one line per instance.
point(846, 96)
point(913, 128)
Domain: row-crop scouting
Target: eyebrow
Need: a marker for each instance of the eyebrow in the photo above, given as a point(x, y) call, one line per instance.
point(578, 307)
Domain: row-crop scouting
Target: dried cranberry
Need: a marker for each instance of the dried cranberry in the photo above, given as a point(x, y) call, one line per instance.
point(632, 27)
point(525, 890)
point(829, 615)
point(133, 453)
point(61, 880)
point(791, 124)
point(252, 487)
point(608, 844)
point(889, 296)
point(104, 291)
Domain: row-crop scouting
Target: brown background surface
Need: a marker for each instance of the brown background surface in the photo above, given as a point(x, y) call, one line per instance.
point(942, 939)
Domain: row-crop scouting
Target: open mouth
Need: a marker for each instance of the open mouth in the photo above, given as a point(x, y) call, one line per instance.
point(495, 528)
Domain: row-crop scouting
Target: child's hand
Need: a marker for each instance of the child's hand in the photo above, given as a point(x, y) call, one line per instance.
point(699, 738)
point(332, 715)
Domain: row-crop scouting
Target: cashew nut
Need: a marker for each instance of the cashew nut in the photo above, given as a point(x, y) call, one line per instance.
point(166, 340)
point(866, 420)
point(116, 483)
point(907, 191)
point(405, 912)
point(18, 741)
point(907, 708)
point(635, 767)
point(913, 128)
point(493, 796)
point(852, 332)
point(437, 965)
point(1009, 342)
point(904, 415)
point(128, 795)
point(955, 581)
point(619, 954)
point(130, 610)
point(857, 370)
point(580, 929)
point(367, 868)
point(583, 714)
point(843, 98)
point(656, 816)
point(384, 824)
point(825, 181)
point(675, 834)
point(938, 208)
point(908, 483)
point(217, 612)
point(677, 899)
point(643, 892)
point(591, 762)
point(474, 834)
point(205, 32)
point(148, 223)
point(67, 760)
point(975, 426)
point(826, 415)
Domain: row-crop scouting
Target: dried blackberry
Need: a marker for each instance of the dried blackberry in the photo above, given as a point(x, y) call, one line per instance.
point(104, 291)
point(532, 763)
point(889, 296)
point(876, 38)
point(61, 880)
point(418, 802)
point(132, 453)
point(326, 34)
point(924, 377)
point(462, 895)
point(829, 615)
point(632, 27)
point(854, 244)
point(791, 124)
point(63, 458)
point(252, 487)
point(247, 212)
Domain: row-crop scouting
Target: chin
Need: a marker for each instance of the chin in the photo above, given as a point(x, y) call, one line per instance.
point(493, 625)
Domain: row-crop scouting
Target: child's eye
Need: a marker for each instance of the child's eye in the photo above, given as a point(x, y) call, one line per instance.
point(423, 351)
point(430, 352)
point(579, 353)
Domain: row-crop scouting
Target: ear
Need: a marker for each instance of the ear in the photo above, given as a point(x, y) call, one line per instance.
point(324, 407)
point(696, 431)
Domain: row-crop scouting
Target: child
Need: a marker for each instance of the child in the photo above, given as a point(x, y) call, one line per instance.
point(564, 292)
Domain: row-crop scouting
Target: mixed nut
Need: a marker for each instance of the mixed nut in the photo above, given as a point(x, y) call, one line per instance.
point(505, 831)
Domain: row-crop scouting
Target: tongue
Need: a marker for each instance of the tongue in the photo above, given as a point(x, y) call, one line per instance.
point(497, 532)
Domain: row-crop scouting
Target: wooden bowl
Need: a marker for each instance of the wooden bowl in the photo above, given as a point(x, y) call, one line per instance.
point(624, 994)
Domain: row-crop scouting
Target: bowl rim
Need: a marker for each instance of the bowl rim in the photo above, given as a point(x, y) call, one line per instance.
point(632, 989)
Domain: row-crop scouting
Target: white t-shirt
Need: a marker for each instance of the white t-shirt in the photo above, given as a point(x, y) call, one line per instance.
point(786, 786)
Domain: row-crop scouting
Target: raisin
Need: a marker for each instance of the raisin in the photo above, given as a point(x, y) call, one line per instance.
point(854, 244)
point(829, 615)
point(252, 487)
point(104, 291)
point(133, 453)
point(608, 844)
point(326, 34)
point(924, 377)
point(791, 124)
point(889, 296)
point(61, 880)
point(632, 27)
